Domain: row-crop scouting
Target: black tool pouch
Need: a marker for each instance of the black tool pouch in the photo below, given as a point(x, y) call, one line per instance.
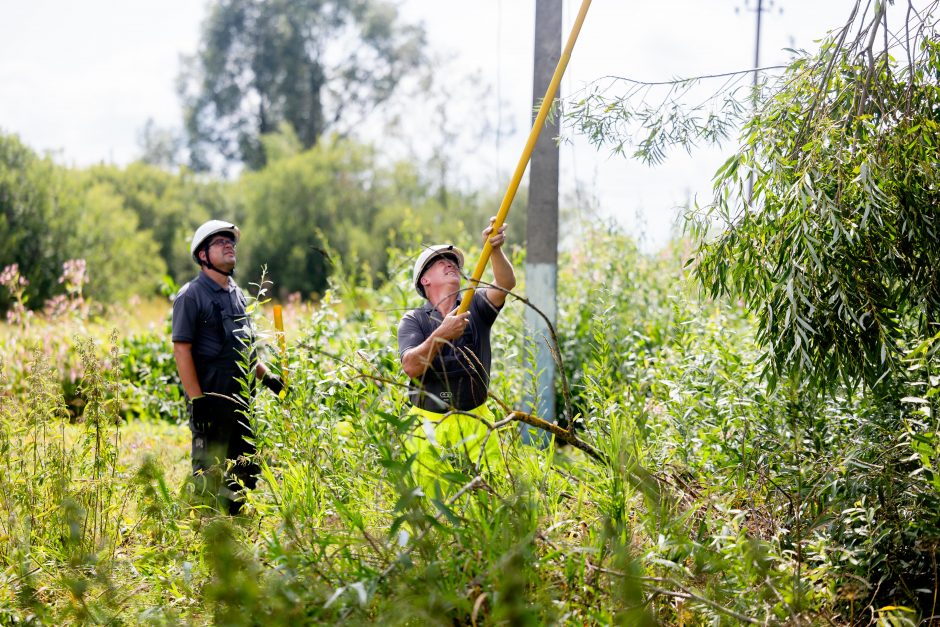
point(455, 379)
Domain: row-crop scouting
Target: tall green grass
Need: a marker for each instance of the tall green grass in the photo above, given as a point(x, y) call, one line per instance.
point(714, 499)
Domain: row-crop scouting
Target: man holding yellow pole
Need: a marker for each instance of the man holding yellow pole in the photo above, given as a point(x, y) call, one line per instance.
point(447, 355)
point(445, 346)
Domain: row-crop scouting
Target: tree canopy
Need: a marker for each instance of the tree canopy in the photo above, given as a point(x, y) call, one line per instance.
point(50, 215)
point(334, 210)
point(314, 64)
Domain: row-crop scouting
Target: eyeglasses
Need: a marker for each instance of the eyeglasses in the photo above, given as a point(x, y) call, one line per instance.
point(222, 241)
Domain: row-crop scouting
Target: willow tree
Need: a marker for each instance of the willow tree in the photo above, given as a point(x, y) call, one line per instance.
point(317, 65)
point(837, 247)
point(825, 219)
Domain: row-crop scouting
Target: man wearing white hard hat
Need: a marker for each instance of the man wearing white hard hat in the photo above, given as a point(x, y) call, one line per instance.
point(447, 355)
point(212, 336)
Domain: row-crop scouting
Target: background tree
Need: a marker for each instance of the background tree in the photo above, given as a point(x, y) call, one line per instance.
point(169, 206)
point(314, 64)
point(122, 259)
point(50, 214)
point(27, 205)
point(337, 208)
point(161, 147)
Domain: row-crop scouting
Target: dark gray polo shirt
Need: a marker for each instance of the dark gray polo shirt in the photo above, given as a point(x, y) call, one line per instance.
point(460, 374)
point(214, 321)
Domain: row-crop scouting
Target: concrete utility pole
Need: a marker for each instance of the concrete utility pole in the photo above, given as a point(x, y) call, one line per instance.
point(760, 10)
point(541, 268)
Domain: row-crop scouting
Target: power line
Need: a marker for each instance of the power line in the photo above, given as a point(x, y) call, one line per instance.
point(763, 6)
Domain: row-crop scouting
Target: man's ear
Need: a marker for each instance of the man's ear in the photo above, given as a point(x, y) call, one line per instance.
point(203, 255)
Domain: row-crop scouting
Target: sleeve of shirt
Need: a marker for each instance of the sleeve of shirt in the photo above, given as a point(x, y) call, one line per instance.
point(483, 309)
point(185, 313)
point(409, 334)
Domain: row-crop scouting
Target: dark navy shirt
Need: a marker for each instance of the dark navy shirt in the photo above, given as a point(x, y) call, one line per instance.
point(460, 374)
point(214, 321)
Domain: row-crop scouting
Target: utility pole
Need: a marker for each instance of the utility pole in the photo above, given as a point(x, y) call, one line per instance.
point(541, 268)
point(760, 13)
point(760, 10)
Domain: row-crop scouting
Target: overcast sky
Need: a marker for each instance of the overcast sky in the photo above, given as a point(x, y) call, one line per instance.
point(80, 79)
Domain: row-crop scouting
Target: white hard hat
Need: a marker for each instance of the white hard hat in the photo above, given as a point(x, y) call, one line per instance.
point(429, 256)
point(209, 229)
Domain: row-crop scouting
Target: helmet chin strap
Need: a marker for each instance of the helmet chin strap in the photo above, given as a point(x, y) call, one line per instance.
point(209, 265)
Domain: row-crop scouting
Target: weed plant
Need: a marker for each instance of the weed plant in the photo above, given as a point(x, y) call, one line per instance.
point(713, 498)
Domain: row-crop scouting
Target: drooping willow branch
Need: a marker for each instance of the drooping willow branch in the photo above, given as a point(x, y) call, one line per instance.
point(621, 112)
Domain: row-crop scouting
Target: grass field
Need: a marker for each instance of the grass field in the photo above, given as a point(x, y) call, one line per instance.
point(700, 495)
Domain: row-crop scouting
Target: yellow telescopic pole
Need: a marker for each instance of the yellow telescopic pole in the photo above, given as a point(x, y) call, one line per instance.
point(282, 344)
point(526, 153)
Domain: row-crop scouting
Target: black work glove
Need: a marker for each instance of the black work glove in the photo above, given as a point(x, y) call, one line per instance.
point(203, 408)
point(273, 383)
